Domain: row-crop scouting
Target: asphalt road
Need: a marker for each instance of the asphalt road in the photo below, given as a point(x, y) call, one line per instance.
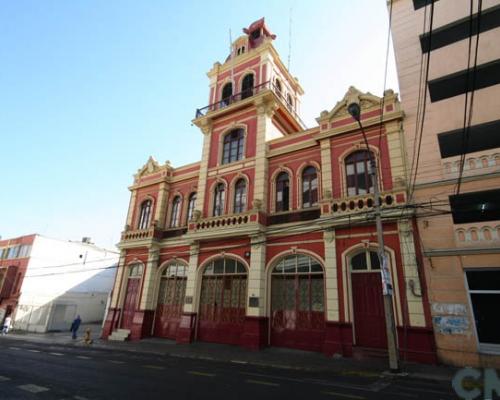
point(38, 371)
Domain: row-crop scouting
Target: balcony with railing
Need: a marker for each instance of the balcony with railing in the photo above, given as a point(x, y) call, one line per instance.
point(129, 235)
point(246, 221)
point(360, 205)
point(246, 94)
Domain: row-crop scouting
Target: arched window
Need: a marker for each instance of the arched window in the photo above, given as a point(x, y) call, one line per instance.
point(282, 192)
point(233, 146)
point(145, 214)
point(135, 271)
point(366, 260)
point(227, 92)
point(219, 196)
point(309, 187)
point(277, 85)
point(191, 204)
point(240, 196)
point(176, 211)
point(358, 179)
point(247, 86)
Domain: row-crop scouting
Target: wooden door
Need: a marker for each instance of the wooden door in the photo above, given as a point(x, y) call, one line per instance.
point(170, 306)
point(368, 308)
point(222, 308)
point(130, 303)
point(297, 311)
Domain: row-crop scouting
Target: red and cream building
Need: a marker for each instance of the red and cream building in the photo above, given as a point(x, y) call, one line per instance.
point(270, 239)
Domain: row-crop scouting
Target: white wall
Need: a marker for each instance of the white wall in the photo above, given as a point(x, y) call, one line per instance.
point(74, 274)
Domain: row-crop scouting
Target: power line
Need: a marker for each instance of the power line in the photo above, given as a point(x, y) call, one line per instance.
point(467, 125)
point(412, 185)
point(382, 105)
point(430, 212)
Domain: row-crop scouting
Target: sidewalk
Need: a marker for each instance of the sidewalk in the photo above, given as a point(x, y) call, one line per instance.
point(268, 357)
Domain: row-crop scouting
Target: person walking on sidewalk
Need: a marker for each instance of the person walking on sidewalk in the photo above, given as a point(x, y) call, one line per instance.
point(74, 326)
point(6, 325)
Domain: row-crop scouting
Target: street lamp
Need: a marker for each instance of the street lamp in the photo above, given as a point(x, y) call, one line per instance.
point(355, 110)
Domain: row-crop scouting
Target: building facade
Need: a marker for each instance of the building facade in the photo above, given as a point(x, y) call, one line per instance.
point(448, 62)
point(45, 282)
point(270, 239)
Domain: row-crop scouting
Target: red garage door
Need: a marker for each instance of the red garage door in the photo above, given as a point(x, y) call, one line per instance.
point(170, 300)
point(222, 301)
point(297, 303)
point(131, 295)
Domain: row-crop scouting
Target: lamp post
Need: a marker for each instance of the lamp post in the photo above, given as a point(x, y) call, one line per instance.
point(355, 110)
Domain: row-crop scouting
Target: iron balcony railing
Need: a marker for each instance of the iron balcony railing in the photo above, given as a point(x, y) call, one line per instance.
point(245, 94)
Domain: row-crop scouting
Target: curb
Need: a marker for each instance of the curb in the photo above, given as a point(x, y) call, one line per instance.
point(366, 373)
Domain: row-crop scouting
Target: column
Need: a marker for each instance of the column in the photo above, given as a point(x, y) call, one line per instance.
point(185, 333)
point(256, 321)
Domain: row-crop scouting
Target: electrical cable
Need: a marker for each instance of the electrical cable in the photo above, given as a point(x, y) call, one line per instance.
point(424, 107)
point(468, 118)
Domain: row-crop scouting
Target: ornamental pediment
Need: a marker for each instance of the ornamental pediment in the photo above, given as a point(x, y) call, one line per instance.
point(365, 100)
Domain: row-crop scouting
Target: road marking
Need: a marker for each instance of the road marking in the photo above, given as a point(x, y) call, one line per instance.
point(14, 348)
point(239, 362)
point(57, 354)
point(153, 366)
point(33, 388)
point(201, 373)
point(80, 398)
point(347, 396)
point(116, 362)
point(4, 378)
point(272, 376)
point(262, 382)
point(34, 351)
point(84, 357)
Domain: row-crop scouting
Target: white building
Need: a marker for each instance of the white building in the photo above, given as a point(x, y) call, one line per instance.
point(64, 279)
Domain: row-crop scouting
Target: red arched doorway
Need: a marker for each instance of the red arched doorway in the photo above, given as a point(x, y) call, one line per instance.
point(131, 295)
point(297, 303)
point(170, 300)
point(367, 300)
point(222, 301)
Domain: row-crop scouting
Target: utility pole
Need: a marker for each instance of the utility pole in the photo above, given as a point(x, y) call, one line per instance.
point(355, 110)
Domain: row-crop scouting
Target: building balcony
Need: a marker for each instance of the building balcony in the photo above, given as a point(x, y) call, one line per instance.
point(241, 97)
point(242, 223)
point(141, 234)
point(360, 206)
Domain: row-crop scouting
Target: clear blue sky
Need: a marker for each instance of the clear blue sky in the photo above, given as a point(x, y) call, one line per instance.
point(89, 89)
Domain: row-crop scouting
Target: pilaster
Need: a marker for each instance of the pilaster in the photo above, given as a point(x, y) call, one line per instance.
point(397, 152)
point(256, 304)
point(118, 285)
point(161, 206)
point(326, 168)
point(412, 280)
point(265, 112)
point(331, 283)
point(149, 283)
point(203, 173)
point(131, 207)
point(191, 300)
